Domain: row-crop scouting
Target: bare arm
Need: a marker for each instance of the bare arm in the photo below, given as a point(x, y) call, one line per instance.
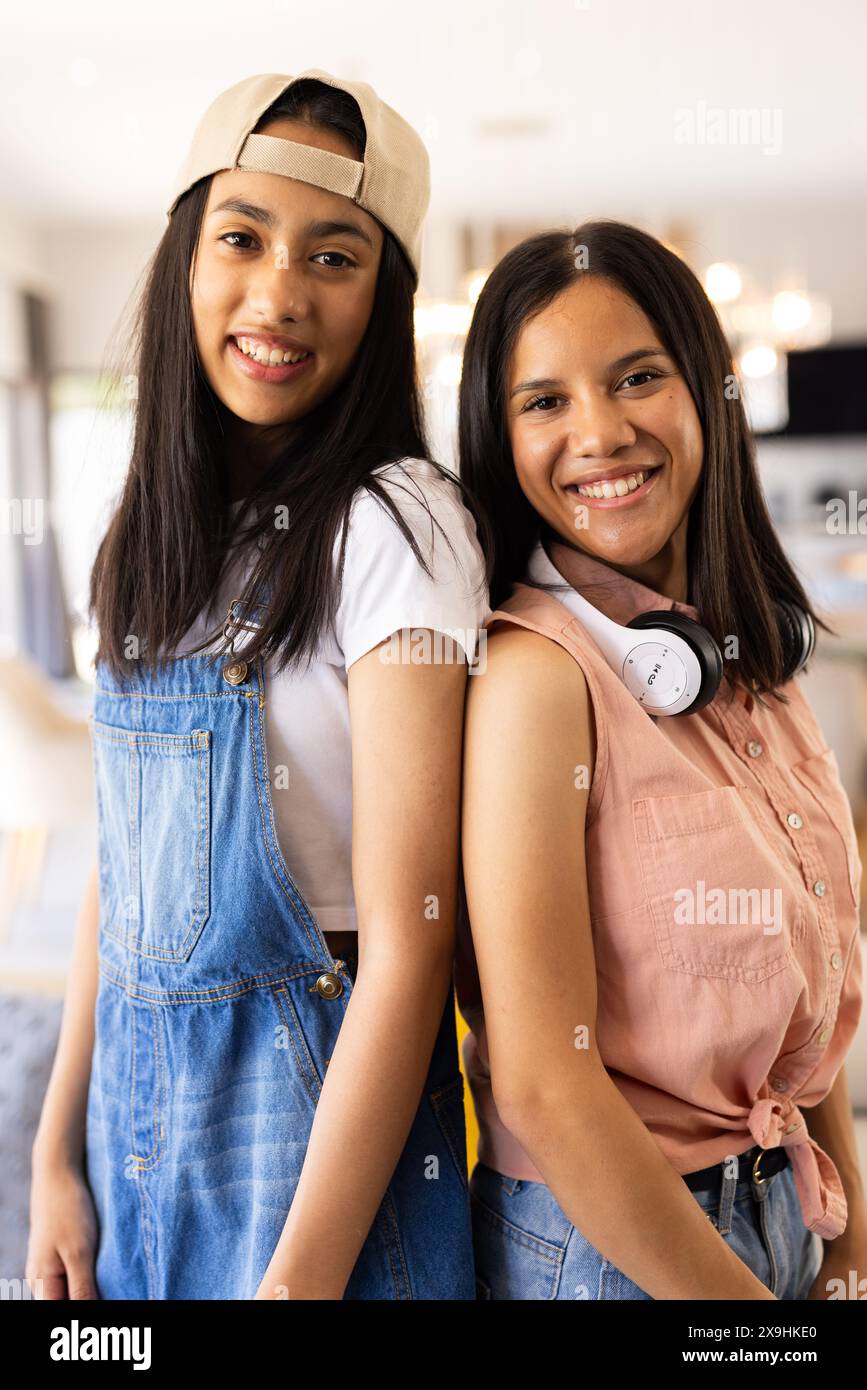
point(528, 726)
point(63, 1231)
point(61, 1131)
point(406, 768)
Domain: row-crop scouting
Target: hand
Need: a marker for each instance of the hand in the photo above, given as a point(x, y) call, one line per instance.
point(63, 1234)
point(843, 1273)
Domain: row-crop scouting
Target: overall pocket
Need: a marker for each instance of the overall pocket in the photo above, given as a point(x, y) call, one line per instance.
point(722, 903)
point(154, 830)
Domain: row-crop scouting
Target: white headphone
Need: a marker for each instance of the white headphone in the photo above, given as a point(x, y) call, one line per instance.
point(675, 666)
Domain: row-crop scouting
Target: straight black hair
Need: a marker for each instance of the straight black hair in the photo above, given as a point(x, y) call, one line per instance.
point(736, 566)
point(171, 537)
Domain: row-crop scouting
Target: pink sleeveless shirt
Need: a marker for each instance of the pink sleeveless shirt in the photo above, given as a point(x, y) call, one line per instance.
point(718, 1033)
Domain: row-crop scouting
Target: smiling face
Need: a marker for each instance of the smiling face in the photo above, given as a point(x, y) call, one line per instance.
point(283, 268)
point(605, 436)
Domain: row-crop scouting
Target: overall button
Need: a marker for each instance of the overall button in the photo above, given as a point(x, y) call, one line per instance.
point(754, 749)
point(329, 985)
point(794, 820)
point(235, 673)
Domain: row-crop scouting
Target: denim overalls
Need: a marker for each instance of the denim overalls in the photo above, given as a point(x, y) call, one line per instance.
point(218, 1008)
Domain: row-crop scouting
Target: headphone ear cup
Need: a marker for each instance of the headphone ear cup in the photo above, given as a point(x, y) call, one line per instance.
point(700, 642)
point(797, 634)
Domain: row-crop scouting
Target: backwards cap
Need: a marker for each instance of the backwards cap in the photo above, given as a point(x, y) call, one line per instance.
point(392, 182)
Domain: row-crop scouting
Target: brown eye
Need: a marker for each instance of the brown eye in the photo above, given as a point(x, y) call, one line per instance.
point(647, 373)
point(347, 263)
point(226, 235)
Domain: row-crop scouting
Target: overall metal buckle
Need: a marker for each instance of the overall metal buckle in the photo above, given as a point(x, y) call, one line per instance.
point(235, 672)
point(233, 624)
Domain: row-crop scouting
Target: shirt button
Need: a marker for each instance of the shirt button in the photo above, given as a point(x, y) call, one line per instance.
point(819, 887)
point(780, 1083)
point(825, 1035)
point(794, 820)
point(329, 985)
point(790, 1129)
point(235, 673)
point(836, 960)
point(754, 749)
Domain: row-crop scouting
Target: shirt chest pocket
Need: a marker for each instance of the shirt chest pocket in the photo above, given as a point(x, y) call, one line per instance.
point(153, 799)
point(723, 905)
point(833, 821)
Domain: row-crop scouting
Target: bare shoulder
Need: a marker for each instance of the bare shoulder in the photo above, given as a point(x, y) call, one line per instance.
point(531, 698)
point(523, 666)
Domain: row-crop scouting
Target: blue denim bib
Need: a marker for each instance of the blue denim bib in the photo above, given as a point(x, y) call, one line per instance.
point(218, 1008)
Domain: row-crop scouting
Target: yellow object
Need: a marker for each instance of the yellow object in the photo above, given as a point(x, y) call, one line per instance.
point(469, 1109)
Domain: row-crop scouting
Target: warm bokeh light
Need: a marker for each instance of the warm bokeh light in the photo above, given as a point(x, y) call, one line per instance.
point(758, 360)
point(722, 282)
point(792, 310)
point(441, 316)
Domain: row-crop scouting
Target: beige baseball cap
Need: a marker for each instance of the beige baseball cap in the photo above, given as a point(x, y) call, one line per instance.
point(392, 182)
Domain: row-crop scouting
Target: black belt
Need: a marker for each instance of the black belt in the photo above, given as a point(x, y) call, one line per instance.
point(757, 1164)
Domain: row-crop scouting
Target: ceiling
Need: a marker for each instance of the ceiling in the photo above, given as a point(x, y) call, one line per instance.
point(527, 108)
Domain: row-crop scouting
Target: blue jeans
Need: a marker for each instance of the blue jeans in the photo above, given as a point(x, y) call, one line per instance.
point(526, 1248)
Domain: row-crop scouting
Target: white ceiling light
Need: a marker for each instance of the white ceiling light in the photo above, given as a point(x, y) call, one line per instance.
point(758, 360)
point(722, 282)
point(792, 311)
point(433, 317)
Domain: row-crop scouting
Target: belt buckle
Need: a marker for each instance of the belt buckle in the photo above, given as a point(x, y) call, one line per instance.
point(757, 1179)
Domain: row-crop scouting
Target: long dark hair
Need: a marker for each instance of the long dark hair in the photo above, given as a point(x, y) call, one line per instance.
point(735, 564)
point(171, 536)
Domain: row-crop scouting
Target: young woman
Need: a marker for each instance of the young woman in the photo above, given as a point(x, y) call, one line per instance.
point(643, 1068)
point(274, 1107)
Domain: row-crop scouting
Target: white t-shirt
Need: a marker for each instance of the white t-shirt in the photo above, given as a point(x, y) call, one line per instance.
point(307, 728)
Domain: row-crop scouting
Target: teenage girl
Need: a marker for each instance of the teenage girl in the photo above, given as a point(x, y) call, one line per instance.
point(260, 1095)
point(659, 1081)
